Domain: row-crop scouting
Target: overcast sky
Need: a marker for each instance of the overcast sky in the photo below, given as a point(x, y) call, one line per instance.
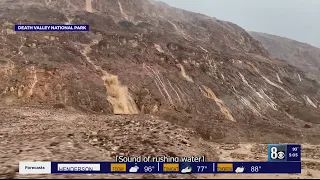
point(294, 19)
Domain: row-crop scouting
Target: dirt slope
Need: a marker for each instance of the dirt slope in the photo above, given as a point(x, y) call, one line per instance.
point(301, 55)
point(143, 65)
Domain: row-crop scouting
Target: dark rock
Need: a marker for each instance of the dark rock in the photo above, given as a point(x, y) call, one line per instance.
point(307, 126)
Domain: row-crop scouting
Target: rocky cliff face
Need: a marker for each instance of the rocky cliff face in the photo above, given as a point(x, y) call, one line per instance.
point(144, 57)
point(298, 54)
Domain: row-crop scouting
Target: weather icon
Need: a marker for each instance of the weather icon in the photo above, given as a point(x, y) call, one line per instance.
point(134, 169)
point(239, 169)
point(186, 169)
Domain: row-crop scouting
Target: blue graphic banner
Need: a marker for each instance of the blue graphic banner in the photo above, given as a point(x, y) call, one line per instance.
point(51, 27)
point(293, 152)
point(184, 168)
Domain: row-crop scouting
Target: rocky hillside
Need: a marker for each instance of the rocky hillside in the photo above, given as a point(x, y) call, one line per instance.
point(298, 54)
point(144, 57)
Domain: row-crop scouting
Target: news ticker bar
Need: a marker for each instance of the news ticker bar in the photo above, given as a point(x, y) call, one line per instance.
point(51, 27)
point(154, 167)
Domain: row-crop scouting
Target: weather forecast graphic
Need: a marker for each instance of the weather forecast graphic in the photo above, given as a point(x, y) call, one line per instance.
point(282, 159)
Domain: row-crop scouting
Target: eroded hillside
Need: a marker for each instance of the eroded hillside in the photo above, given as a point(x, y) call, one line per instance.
point(298, 54)
point(141, 64)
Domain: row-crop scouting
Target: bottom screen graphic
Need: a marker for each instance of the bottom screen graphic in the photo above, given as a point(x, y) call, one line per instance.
point(140, 167)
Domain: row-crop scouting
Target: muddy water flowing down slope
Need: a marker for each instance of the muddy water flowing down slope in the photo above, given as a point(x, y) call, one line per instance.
point(89, 5)
point(223, 108)
point(134, 33)
point(118, 94)
point(184, 74)
point(130, 58)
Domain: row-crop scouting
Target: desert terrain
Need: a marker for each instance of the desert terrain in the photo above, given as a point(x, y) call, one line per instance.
point(147, 79)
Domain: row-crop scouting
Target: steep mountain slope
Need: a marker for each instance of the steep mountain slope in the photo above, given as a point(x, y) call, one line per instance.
point(298, 54)
point(141, 64)
point(146, 57)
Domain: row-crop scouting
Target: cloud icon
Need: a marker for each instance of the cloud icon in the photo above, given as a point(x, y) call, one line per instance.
point(187, 169)
point(239, 169)
point(134, 169)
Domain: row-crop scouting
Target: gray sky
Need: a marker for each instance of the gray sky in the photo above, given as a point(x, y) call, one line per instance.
point(294, 19)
